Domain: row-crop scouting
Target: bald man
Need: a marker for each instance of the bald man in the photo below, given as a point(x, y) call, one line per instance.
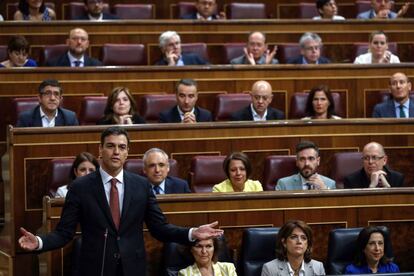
point(400, 105)
point(259, 109)
point(375, 173)
point(78, 44)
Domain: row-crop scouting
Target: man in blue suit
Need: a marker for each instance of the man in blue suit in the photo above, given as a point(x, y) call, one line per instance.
point(381, 9)
point(78, 43)
point(310, 50)
point(111, 206)
point(156, 168)
point(205, 11)
point(307, 161)
point(399, 106)
point(186, 110)
point(170, 46)
point(48, 113)
point(94, 11)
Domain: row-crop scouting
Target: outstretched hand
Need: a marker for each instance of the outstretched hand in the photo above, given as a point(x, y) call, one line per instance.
point(403, 9)
point(207, 231)
point(270, 55)
point(249, 56)
point(28, 241)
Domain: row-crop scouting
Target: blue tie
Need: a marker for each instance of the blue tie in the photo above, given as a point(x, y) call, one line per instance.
point(157, 190)
point(77, 63)
point(402, 113)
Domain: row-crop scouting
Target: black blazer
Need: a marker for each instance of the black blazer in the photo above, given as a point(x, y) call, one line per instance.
point(175, 185)
point(188, 59)
point(63, 60)
point(359, 179)
point(31, 118)
point(173, 116)
point(299, 60)
point(87, 205)
point(106, 16)
point(136, 119)
point(246, 114)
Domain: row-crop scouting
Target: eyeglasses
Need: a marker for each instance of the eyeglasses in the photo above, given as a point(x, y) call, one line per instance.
point(373, 158)
point(49, 93)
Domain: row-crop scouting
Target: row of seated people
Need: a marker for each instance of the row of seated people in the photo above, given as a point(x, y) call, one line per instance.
point(231, 174)
point(200, 9)
point(120, 107)
point(254, 52)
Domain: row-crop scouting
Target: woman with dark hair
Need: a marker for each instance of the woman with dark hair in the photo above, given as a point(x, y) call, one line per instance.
point(18, 52)
point(238, 169)
point(204, 255)
point(293, 252)
point(377, 51)
point(84, 164)
point(121, 109)
point(320, 104)
point(370, 257)
point(34, 10)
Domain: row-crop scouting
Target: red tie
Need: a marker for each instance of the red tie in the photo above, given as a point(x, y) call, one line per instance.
point(114, 203)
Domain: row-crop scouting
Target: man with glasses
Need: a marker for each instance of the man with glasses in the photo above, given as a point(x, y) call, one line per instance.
point(206, 10)
point(94, 11)
point(48, 113)
point(375, 173)
point(307, 162)
point(259, 109)
point(399, 106)
point(78, 44)
point(381, 9)
point(310, 50)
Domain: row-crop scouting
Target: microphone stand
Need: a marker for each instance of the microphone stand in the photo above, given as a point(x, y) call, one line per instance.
point(104, 252)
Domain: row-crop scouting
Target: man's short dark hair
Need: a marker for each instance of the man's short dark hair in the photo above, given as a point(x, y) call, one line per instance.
point(115, 130)
point(53, 83)
point(302, 145)
point(321, 3)
point(186, 82)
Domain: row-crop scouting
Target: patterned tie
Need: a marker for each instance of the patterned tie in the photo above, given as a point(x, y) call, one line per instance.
point(77, 63)
point(310, 186)
point(114, 203)
point(157, 189)
point(402, 113)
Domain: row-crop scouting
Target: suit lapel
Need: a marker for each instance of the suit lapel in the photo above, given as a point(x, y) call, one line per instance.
point(127, 196)
point(167, 186)
point(37, 120)
point(60, 118)
point(176, 115)
point(297, 182)
point(411, 109)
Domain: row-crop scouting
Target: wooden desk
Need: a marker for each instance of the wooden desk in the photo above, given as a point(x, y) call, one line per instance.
point(323, 211)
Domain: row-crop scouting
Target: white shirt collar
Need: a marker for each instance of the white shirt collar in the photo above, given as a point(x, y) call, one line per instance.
point(107, 178)
point(201, 17)
point(182, 113)
point(256, 116)
point(46, 122)
point(162, 187)
point(301, 271)
point(100, 18)
point(72, 59)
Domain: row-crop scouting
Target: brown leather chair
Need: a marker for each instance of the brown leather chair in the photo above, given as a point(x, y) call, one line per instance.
point(59, 174)
point(13, 7)
point(362, 6)
point(307, 10)
point(232, 50)
point(123, 54)
point(152, 105)
point(73, 10)
point(134, 11)
point(246, 11)
point(362, 48)
point(287, 51)
point(92, 109)
point(182, 8)
point(52, 52)
point(136, 165)
point(343, 164)
point(226, 104)
point(198, 48)
point(3, 53)
point(205, 172)
point(22, 104)
point(276, 167)
point(298, 104)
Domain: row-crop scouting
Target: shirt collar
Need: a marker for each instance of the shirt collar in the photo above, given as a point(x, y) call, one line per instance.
point(182, 113)
point(100, 18)
point(301, 271)
point(107, 178)
point(201, 17)
point(43, 114)
point(406, 104)
point(304, 61)
point(161, 185)
point(256, 116)
point(72, 59)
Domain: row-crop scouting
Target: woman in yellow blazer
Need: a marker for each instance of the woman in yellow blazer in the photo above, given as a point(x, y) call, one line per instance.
point(238, 168)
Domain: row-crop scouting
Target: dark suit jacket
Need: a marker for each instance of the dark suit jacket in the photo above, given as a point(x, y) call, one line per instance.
point(136, 119)
point(173, 116)
point(194, 16)
point(387, 110)
point(188, 59)
point(31, 118)
point(246, 114)
point(299, 60)
point(63, 60)
point(87, 205)
point(175, 185)
point(359, 179)
point(106, 16)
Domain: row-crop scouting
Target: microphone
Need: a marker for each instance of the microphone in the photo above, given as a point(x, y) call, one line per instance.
point(104, 251)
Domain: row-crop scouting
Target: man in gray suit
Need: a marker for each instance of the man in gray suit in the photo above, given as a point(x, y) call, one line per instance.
point(400, 105)
point(307, 161)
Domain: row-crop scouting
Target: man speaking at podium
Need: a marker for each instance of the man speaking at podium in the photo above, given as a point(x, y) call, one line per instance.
point(111, 206)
